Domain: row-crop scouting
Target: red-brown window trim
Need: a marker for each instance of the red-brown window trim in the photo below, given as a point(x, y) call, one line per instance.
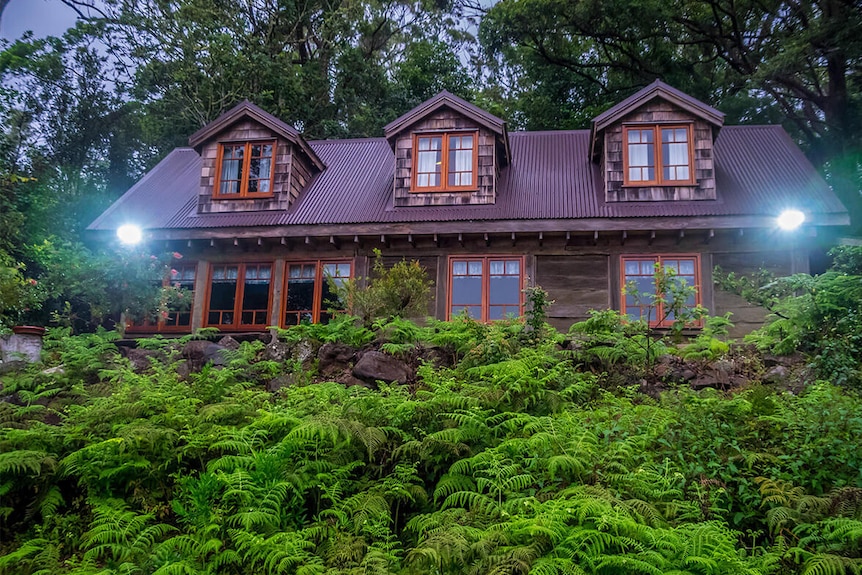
point(486, 284)
point(148, 326)
point(659, 258)
point(319, 278)
point(244, 175)
point(444, 167)
point(240, 291)
point(659, 164)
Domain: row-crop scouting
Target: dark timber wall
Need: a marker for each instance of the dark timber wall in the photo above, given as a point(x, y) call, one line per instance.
point(578, 274)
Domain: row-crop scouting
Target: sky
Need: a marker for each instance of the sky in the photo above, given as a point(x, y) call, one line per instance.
point(43, 17)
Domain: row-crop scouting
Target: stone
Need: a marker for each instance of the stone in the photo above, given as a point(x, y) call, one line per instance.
point(194, 351)
point(377, 366)
point(141, 358)
point(776, 374)
point(228, 342)
point(276, 351)
point(215, 354)
point(58, 370)
point(277, 383)
point(12, 365)
point(334, 357)
point(302, 351)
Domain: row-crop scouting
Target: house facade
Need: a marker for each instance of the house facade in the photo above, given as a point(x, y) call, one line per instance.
point(263, 217)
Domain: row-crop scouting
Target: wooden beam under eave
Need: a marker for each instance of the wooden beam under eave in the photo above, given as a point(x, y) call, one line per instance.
point(384, 241)
point(623, 237)
point(487, 240)
point(236, 241)
point(651, 237)
point(709, 235)
point(333, 241)
point(568, 239)
point(596, 237)
point(514, 239)
point(260, 241)
point(461, 239)
point(411, 241)
point(308, 240)
point(541, 238)
point(436, 241)
point(680, 236)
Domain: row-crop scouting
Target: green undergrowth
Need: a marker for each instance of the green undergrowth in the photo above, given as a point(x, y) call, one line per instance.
point(525, 456)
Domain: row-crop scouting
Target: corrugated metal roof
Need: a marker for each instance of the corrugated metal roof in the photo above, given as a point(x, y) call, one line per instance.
point(759, 170)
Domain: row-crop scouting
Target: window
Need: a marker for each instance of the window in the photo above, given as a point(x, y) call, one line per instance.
point(444, 162)
point(245, 170)
point(487, 288)
point(669, 163)
point(239, 296)
point(307, 290)
point(639, 285)
point(174, 318)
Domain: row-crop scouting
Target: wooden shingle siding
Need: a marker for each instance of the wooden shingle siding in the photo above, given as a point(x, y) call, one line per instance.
point(289, 177)
point(445, 120)
point(659, 112)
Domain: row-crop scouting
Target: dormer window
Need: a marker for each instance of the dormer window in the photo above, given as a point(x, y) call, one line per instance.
point(445, 162)
point(667, 164)
point(245, 170)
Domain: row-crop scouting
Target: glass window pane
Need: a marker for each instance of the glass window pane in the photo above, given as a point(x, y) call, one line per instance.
point(504, 290)
point(474, 268)
point(222, 295)
point(632, 267)
point(459, 268)
point(497, 267)
point(686, 267)
point(300, 294)
point(513, 267)
point(466, 290)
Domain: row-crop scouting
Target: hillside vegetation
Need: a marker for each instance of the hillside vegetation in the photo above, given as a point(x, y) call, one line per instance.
point(509, 450)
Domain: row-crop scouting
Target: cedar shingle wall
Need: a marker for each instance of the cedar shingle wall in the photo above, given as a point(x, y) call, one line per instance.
point(445, 120)
point(290, 175)
point(659, 112)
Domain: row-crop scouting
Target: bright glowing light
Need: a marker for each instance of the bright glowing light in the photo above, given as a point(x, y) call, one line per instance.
point(790, 219)
point(129, 234)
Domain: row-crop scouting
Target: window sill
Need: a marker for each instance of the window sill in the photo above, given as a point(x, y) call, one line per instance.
point(660, 185)
point(246, 197)
point(444, 191)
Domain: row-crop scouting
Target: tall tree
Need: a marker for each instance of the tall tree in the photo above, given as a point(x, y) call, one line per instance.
point(800, 62)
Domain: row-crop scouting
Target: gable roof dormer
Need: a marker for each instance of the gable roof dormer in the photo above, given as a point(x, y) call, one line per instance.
point(447, 152)
point(251, 161)
point(656, 90)
point(247, 110)
point(657, 145)
point(458, 105)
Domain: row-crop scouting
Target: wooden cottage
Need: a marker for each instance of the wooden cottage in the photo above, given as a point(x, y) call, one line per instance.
point(263, 216)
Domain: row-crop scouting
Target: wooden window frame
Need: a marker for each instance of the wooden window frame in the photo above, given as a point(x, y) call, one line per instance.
point(659, 258)
point(444, 163)
point(659, 160)
point(319, 277)
point(159, 326)
point(239, 294)
point(244, 194)
point(486, 283)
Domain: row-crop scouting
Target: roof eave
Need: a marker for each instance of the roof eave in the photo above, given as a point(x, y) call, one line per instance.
point(247, 109)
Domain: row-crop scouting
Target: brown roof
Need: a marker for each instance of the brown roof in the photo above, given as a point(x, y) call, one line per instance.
point(447, 99)
point(759, 172)
point(246, 109)
point(658, 89)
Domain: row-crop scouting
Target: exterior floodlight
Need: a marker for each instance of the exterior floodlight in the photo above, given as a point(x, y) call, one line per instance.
point(790, 219)
point(129, 234)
